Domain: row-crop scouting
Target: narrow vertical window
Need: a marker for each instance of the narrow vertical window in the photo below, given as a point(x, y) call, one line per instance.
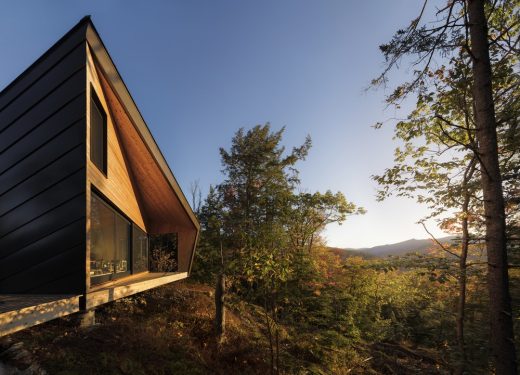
point(98, 134)
point(139, 250)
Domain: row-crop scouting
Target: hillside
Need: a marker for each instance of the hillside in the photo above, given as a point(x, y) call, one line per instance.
point(395, 249)
point(169, 331)
point(348, 253)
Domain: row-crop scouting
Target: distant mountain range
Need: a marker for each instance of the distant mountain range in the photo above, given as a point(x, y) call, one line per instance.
point(399, 248)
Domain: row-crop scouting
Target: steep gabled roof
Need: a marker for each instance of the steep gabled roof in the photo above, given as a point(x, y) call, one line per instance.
point(86, 28)
point(166, 215)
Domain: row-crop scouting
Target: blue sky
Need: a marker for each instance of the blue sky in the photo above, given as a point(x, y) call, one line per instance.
point(199, 70)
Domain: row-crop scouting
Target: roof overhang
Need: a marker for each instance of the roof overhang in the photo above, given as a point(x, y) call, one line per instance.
point(121, 91)
point(164, 215)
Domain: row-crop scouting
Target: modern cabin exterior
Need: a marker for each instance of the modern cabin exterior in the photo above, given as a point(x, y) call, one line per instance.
point(84, 189)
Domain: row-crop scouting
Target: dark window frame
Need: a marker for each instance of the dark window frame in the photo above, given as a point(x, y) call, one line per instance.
point(94, 100)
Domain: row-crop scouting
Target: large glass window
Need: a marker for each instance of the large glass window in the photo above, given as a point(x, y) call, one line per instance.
point(109, 242)
point(163, 256)
point(98, 134)
point(139, 250)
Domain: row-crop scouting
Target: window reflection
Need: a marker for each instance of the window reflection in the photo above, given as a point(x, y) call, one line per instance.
point(110, 242)
point(139, 250)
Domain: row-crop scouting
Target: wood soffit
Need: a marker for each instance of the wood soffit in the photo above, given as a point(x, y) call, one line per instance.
point(163, 210)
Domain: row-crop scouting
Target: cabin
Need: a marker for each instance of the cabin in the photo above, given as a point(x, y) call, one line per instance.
point(90, 211)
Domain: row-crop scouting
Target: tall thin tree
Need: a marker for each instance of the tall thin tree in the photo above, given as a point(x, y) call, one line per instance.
point(463, 25)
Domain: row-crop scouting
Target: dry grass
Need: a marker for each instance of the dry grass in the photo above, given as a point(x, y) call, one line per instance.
point(169, 330)
point(165, 331)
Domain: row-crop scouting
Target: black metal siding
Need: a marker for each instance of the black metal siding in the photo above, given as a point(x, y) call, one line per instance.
point(42, 173)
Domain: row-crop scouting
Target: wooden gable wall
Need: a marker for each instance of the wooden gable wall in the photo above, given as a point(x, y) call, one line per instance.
point(117, 185)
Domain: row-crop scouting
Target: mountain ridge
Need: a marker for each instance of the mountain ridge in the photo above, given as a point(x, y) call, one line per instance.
point(399, 248)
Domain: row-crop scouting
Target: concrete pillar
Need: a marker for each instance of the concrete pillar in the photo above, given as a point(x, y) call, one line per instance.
point(87, 318)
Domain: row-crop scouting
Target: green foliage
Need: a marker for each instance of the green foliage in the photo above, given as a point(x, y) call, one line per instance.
point(310, 213)
point(439, 160)
point(439, 136)
point(258, 187)
point(263, 234)
point(254, 224)
point(266, 237)
point(324, 315)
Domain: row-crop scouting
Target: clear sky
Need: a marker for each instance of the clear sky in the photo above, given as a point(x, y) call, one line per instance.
point(199, 70)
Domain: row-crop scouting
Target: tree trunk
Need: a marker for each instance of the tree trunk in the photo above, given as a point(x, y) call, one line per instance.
point(269, 335)
point(220, 308)
point(461, 303)
point(502, 336)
